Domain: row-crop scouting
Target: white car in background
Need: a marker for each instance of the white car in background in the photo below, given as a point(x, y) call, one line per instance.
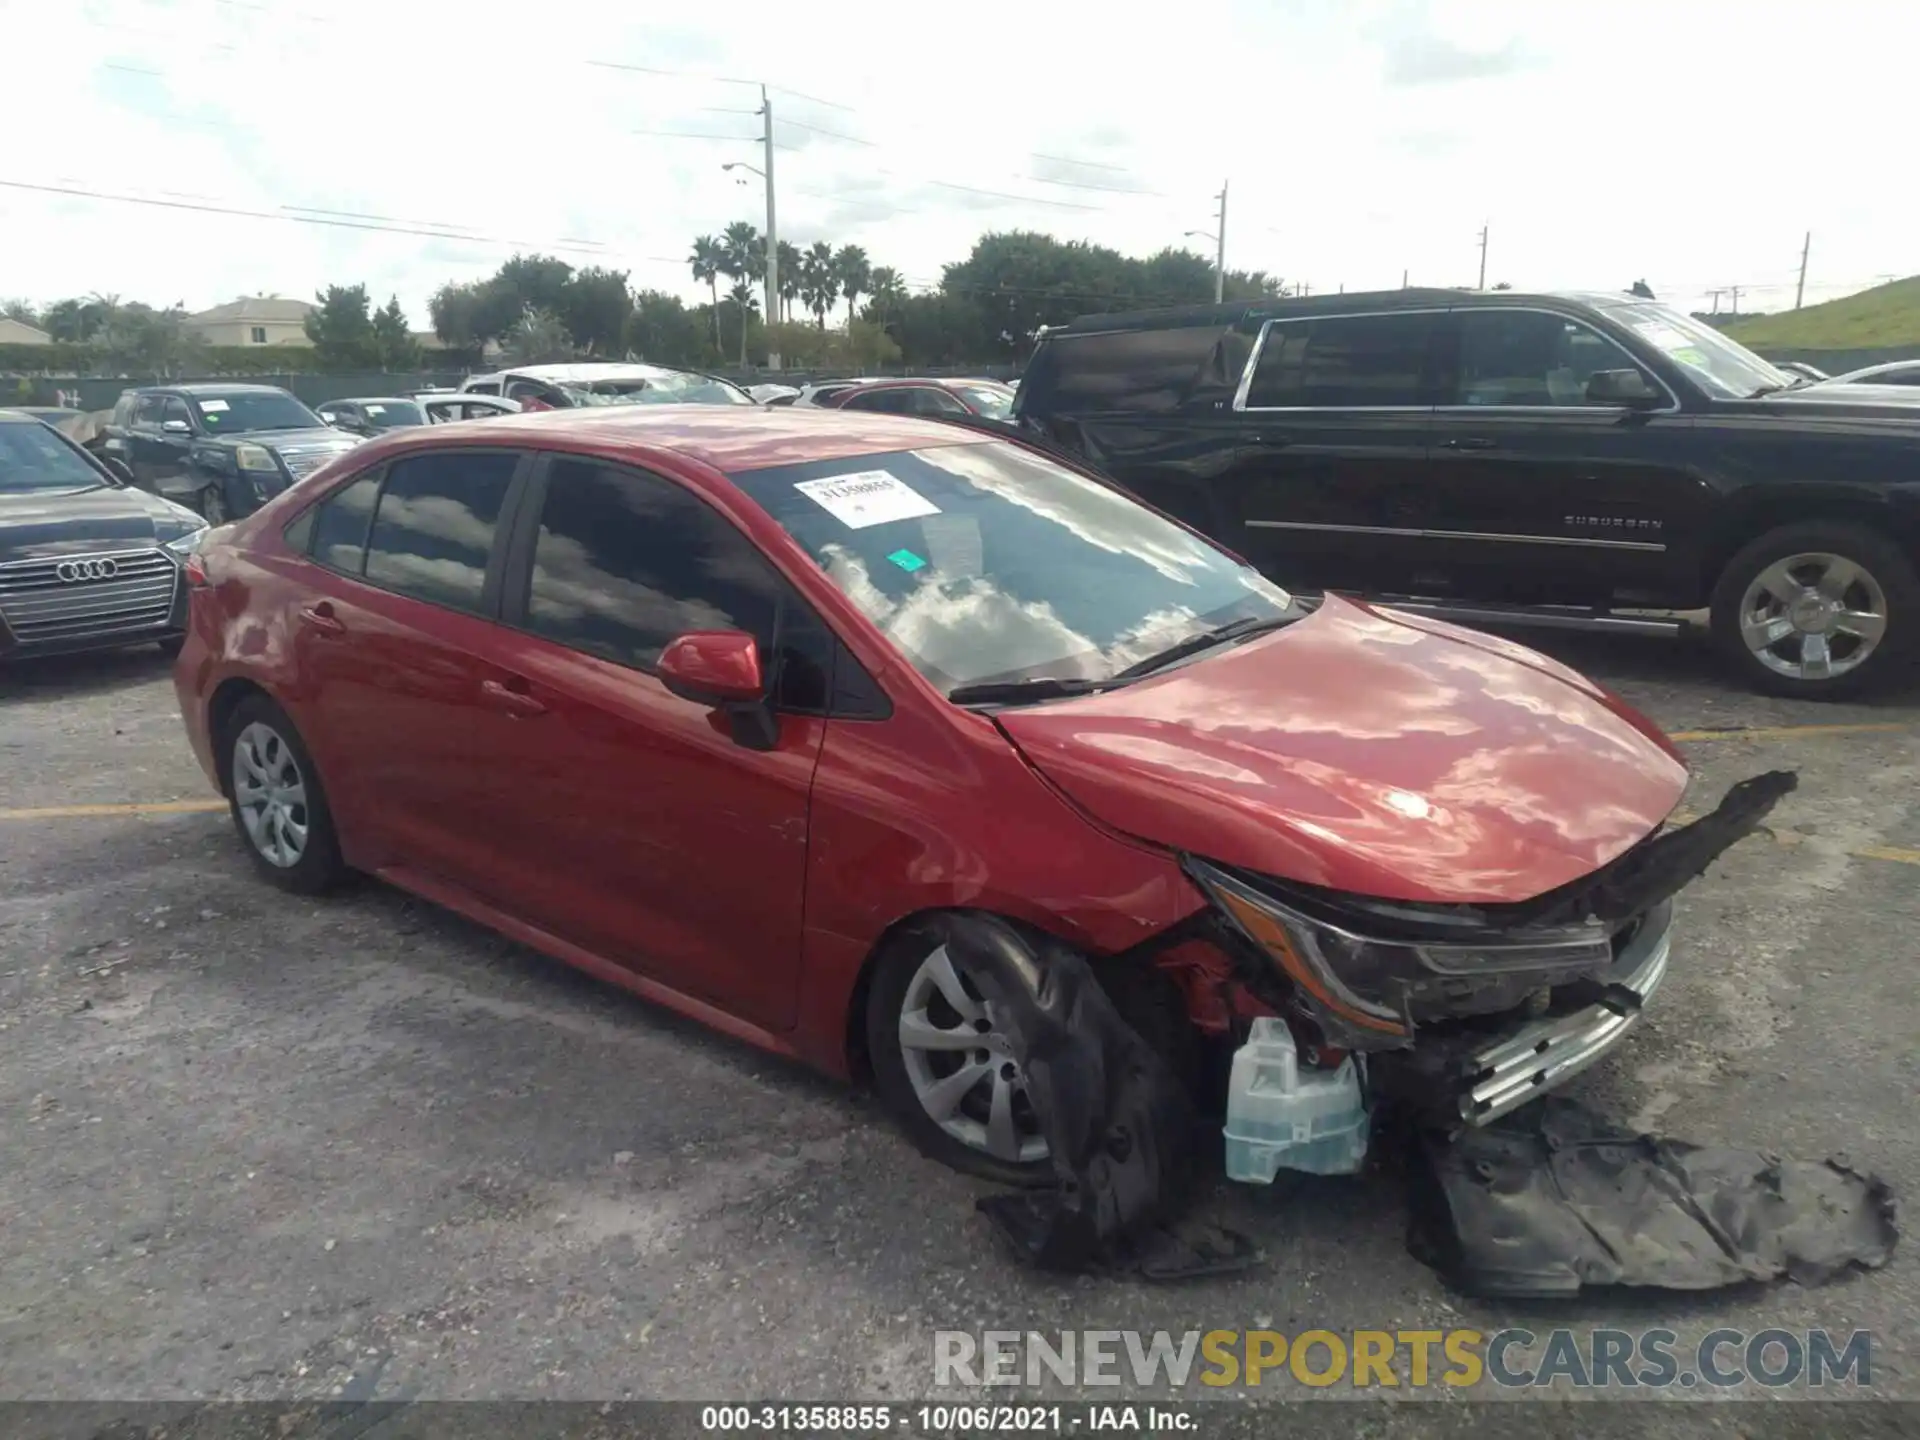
point(585, 383)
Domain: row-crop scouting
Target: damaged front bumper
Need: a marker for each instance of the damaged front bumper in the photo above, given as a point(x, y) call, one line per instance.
point(1523, 1065)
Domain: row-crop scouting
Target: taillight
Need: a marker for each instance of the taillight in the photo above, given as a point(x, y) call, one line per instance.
point(196, 572)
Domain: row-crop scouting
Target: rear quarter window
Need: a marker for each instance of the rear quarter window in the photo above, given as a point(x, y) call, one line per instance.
point(1137, 370)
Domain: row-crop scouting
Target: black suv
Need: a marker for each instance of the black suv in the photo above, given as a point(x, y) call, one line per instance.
point(1487, 450)
point(223, 449)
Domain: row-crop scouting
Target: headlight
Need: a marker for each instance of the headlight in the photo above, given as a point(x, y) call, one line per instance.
point(186, 544)
point(256, 458)
point(1368, 992)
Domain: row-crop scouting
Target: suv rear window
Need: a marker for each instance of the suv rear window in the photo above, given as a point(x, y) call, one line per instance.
point(1116, 370)
point(1345, 362)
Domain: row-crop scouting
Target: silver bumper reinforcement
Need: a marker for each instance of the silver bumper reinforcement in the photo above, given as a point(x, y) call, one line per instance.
point(1546, 1053)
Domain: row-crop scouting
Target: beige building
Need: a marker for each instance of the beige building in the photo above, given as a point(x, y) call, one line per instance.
point(254, 320)
point(14, 332)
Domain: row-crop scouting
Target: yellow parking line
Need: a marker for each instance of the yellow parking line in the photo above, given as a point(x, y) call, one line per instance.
point(1789, 732)
point(1888, 852)
point(76, 812)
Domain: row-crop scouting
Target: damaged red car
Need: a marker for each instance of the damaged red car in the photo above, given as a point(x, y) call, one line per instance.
point(755, 712)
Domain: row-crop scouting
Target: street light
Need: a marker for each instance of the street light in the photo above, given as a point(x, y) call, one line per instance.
point(1219, 238)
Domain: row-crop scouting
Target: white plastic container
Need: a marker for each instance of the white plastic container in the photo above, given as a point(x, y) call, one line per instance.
point(1281, 1118)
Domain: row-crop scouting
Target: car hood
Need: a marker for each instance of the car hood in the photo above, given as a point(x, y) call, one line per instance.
point(1368, 751)
point(34, 525)
point(1864, 402)
point(322, 436)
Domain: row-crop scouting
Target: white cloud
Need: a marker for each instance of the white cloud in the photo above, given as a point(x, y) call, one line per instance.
point(1691, 145)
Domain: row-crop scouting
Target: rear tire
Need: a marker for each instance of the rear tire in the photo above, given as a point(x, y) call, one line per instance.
point(278, 804)
point(1818, 610)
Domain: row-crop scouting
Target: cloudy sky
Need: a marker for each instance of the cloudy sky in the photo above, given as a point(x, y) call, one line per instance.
point(1692, 143)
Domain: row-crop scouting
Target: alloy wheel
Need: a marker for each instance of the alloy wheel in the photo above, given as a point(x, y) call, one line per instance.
point(1813, 616)
point(961, 1064)
point(270, 794)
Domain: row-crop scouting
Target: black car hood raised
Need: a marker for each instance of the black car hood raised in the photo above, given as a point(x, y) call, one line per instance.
point(35, 524)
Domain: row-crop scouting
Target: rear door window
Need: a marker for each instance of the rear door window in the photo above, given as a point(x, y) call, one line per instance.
point(433, 530)
point(1141, 370)
point(340, 524)
point(1344, 362)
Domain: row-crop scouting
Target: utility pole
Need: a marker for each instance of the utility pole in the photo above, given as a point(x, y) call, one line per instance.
point(1220, 250)
point(773, 236)
point(1483, 256)
point(1715, 295)
point(1403, 279)
point(1734, 291)
point(1800, 290)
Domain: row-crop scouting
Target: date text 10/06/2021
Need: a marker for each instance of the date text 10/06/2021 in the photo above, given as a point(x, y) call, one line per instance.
point(942, 1419)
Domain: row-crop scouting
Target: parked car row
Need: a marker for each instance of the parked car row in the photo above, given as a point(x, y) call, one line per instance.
point(1506, 456)
point(795, 704)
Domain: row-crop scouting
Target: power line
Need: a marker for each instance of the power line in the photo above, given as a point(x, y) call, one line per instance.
point(290, 214)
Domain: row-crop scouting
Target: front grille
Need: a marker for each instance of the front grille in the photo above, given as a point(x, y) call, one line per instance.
point(304, 460)
point(40, 608)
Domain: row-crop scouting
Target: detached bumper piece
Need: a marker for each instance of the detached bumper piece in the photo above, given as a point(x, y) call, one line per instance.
point(1557, 1198)
point(1120, 1128)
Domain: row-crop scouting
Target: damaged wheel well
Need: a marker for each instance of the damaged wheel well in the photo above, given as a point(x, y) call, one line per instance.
point(227, 698)
point(1139, 989)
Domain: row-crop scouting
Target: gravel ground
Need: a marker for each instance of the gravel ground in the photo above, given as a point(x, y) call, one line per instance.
point(263, 1148)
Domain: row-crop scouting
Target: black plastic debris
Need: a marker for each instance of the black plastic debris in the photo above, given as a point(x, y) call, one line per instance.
point(1659, 868)
point(1121, 1130)
point(1554, 1198)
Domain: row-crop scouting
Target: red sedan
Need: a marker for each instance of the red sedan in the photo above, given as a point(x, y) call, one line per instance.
point(740, 709)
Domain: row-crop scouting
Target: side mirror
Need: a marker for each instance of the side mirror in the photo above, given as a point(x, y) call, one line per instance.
point(117, 468)
point(175, 427)
point(721, 669)
point(1622, 387)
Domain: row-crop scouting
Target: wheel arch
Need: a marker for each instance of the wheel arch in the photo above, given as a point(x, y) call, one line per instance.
point(227, 697)
point(1755, 516)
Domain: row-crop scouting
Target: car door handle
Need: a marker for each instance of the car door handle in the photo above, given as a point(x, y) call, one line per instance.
point(1468, 442)
point(507, 697)
point(320, 617)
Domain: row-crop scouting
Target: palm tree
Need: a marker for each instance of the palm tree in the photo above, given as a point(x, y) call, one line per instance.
point(887, 289)
point(705, 261)
point(851, 269)
point(789, 278)
point(819, 287)
point(745, 252)
point(743, 297)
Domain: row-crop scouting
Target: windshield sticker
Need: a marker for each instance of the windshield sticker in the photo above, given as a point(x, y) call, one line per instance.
point(376, 409)
point(907, 560)
point(867, 497)
point(1667, 337)
point(213, 407)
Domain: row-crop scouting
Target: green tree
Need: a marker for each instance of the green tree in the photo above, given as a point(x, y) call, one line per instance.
point(854, 273)
point(747, 304)
point(539, 337)
point(73, 321)
point(136, 339)
point(819, 287)
point(399, 351)
point(886, 290)
point(455, 310)
point(21, 310)
point(594, 306)
point(789, 280)
point(342, 332)
point(707, 258)
point(663, 331)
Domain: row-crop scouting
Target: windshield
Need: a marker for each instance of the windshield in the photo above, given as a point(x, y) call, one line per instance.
point(392, 414)
point(1723, 367)
point(990, 563)
point(32, 457)
point(246, 411)
point(993, 401)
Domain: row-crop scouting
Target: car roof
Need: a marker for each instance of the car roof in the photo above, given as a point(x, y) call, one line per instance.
point(943, 382)
point(1881, 369)
point(18, 417)
point(1173, 317)
point(584, 370)
point(376, 400)
point(207, 388)
point(729, 438)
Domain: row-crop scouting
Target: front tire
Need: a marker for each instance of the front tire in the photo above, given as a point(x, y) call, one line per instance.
point(213, 504)
point(943, 1067)
point(277, 802)
point(1818, 610)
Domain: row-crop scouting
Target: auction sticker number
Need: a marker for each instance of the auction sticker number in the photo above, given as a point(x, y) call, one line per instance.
point(867, 497)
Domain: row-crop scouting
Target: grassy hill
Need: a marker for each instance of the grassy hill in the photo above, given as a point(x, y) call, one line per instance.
point(1885, 316)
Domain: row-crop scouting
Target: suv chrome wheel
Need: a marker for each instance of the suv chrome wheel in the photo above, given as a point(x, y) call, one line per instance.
point(270, 794)
point(1813, 616)
point(961, 1065)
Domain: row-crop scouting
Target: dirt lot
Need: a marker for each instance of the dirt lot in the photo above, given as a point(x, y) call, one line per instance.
point(255, 1147)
